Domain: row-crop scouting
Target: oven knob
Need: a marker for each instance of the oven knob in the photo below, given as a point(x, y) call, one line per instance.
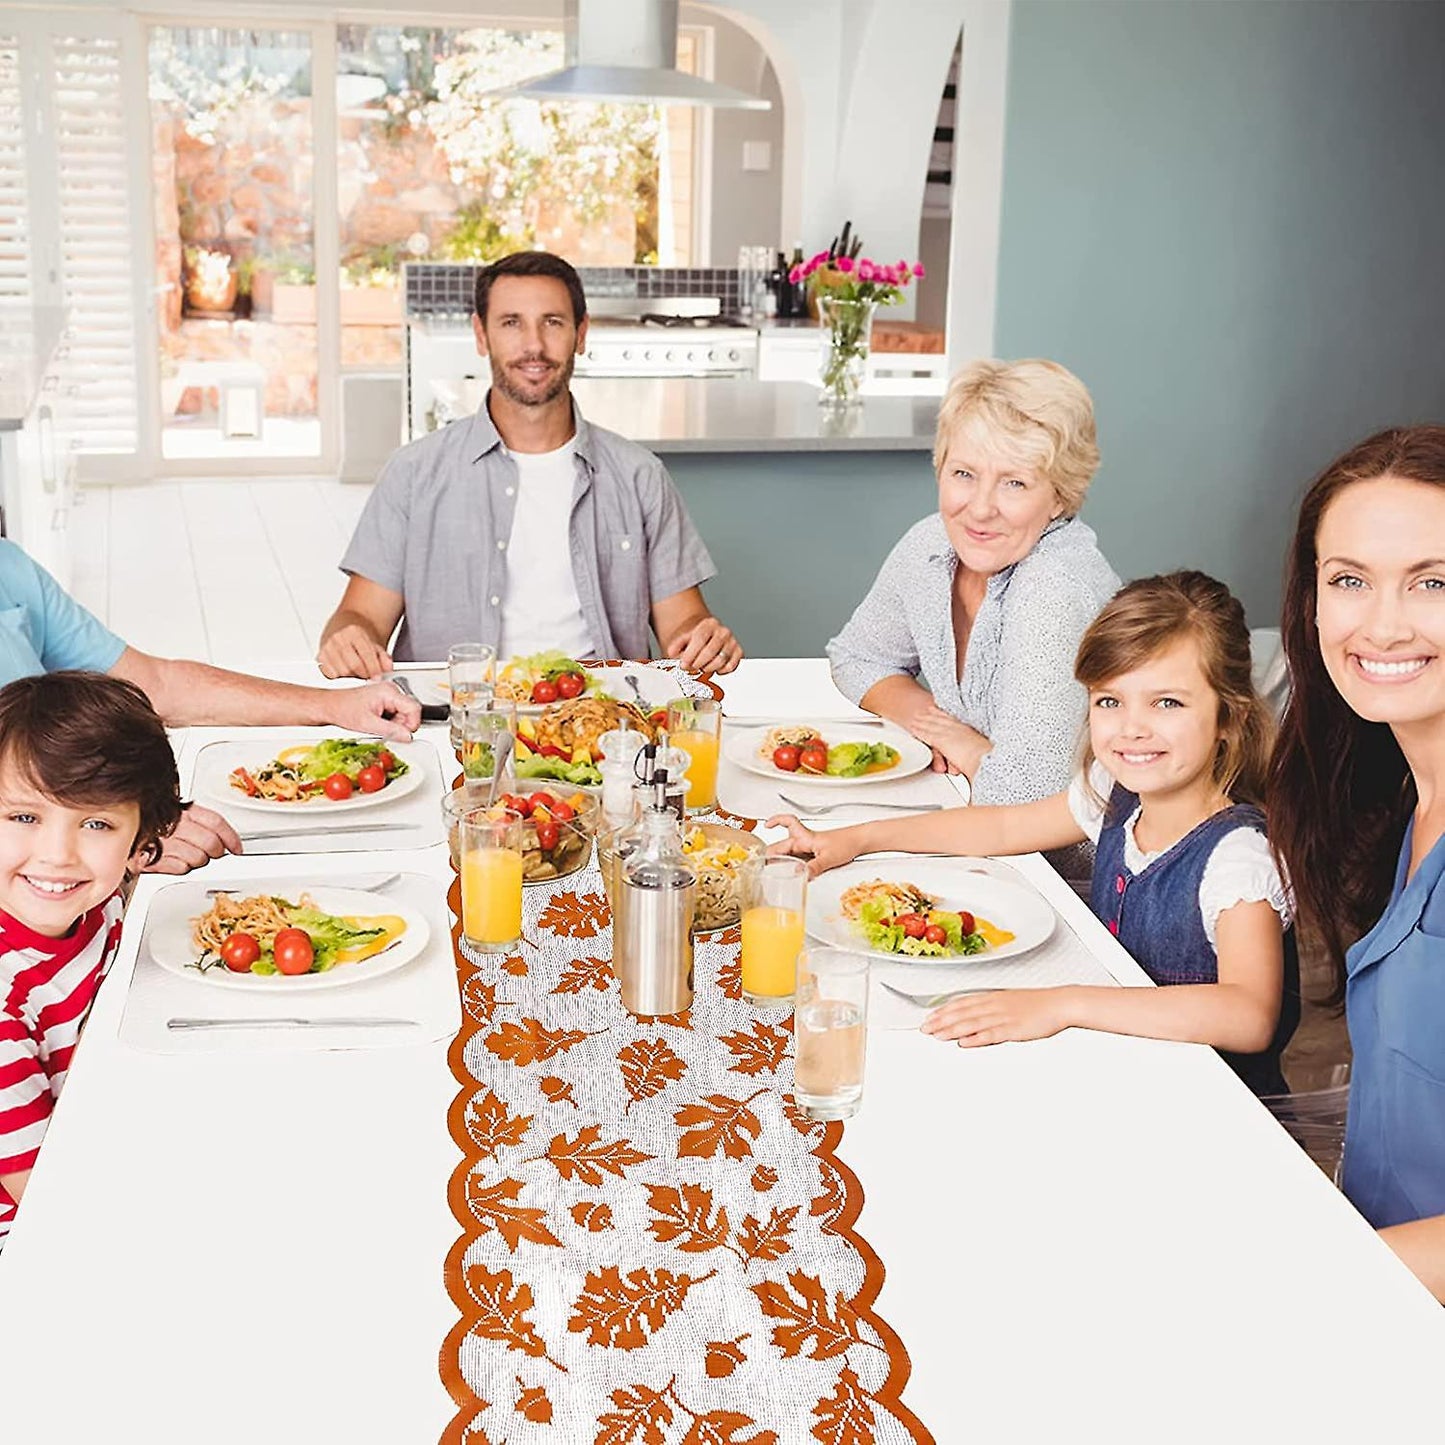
point(692, 356)
point(627, 356)
point(733, 356)
point(591, 356)
point(647, 355)
point(671, 356)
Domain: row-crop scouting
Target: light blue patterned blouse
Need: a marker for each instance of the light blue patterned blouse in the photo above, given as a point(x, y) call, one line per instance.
point(1018, 685)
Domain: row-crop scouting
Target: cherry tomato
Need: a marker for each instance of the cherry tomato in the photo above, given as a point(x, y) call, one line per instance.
point(544, 800)
point(294, 951)
point(372, 779)
point(571, 684)
point(547, 836)
point(563, 812)
point(517, 803)
point(813, 758)
point(545, 691)
point(967, 923)
point(338, 786)
point(914, 925)
point(934, 934)
point(787, 757)
point(240, 951)
point(385, 761)
point(659, 718)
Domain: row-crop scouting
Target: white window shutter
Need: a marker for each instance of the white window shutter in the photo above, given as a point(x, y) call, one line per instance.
point(14, 211)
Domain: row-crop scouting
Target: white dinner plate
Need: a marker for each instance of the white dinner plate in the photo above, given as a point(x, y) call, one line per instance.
point(215, 762)
point(742, 747)
point(169, 937)
point(957, 886)
point(659, 686)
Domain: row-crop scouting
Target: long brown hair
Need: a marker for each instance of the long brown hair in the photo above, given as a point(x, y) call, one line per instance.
point(1340, 792)
point(1147, 616)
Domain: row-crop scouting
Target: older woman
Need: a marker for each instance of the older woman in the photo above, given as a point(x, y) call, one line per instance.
point(967, 637)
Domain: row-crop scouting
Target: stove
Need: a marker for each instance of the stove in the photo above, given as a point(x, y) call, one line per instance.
point(666, 345)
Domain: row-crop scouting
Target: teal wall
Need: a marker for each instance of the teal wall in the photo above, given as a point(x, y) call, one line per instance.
point(1228, 217)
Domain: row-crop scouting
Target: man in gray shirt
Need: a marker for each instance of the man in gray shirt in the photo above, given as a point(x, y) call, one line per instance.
point(525, 527)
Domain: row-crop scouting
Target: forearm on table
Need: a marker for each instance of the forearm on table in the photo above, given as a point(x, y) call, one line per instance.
point(1224, 1015)
point(898, 698)
point(1420, 1245)
point(195, 694)
point(350, 617)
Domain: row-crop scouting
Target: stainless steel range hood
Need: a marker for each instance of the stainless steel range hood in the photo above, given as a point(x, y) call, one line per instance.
point(626, 50)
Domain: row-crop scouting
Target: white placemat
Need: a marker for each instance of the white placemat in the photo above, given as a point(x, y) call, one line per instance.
point(424, 989)
point(752, 796)
point(1063, 959)
point(412, 821)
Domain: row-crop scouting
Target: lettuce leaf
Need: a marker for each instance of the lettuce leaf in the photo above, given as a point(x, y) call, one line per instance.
point(852, 760)
point(875, 923)
point(581, 775)
point(346, 755)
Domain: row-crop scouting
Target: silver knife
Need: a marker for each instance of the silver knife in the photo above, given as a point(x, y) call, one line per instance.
point(324, 831)
point(867, 721)
point(375, 883)
point(354, 1022)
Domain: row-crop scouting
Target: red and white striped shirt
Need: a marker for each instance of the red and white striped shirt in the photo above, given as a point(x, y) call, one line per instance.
point(46, 988)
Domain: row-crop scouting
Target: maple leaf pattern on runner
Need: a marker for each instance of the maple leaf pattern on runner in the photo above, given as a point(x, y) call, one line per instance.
point(638, 1419)
point(533, 1404)
point(586, 1158)
point(729, 937)
point(764, 1178)
point(558, 1091)
point(648, 1067)
point(682, 1020)
point(730, 977)
point(624, 1312)
point(793, 1113)
point(594, 1218)
point(516, 966)
point(719, 1122)
point(721, 1427)
point(503, 1311)
point(584, 973)
point(492, 1126)
point(759, 1051)
point(529, 1042)
point(575, 915)
point(771, 1240)
point(806, 1319)
point(845, 1417)
point(480, 998)
point(497, 1209)
point(686, 1220)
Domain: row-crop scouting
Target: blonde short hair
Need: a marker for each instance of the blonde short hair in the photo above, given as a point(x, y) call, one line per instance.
point(1037, 409)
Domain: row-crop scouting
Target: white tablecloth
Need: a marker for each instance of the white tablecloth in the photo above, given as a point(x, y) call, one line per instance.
point(1086, 1236)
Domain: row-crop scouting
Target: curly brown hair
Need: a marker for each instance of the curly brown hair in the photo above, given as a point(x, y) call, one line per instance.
point(88, 740)
point(1340, 792)
point(1147, 616)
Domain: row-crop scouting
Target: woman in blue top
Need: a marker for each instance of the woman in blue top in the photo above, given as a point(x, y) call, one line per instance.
point(1357, 809)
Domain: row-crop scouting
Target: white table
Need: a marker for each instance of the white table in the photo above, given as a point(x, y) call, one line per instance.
point(1086, 1237)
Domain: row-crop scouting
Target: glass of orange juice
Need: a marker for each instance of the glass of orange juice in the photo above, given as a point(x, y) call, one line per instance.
point(694, 724)
point(491, 868)
point(775, 891)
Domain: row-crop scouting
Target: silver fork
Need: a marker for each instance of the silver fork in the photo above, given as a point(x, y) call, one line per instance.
point(815, 810)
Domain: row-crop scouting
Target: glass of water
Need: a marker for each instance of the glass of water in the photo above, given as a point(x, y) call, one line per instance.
point(471, 668)
point(484, 724)
point(830, 1030)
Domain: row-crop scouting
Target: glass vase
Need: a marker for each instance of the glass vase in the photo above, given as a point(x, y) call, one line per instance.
point(847, 335)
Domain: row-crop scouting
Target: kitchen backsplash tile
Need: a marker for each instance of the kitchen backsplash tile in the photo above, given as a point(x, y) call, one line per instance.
point(436, 288)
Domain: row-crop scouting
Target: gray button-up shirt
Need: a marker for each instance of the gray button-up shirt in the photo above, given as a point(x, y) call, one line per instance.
point(1018, 685)
point(437, 525)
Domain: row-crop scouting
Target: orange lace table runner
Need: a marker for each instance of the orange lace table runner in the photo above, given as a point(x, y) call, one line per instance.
point(658, 1246)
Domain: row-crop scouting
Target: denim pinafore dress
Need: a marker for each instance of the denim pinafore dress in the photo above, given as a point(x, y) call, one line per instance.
point(1395, 1007)
point(1155, 914)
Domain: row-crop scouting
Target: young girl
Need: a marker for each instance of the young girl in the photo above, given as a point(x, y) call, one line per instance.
point(1173, 768)
point(87, 791)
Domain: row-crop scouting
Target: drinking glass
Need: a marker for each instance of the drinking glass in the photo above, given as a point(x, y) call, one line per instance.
point(830, 1030)
point(695, 725)
point(491, 880)
point(470, 672)
point(775, 891)
point(484, 724)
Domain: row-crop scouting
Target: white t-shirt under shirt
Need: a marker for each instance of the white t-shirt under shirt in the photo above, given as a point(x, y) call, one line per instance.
point(1240, 870)
point(541, 611)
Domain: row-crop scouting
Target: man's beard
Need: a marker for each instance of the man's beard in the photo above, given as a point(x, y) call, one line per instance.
point(561, 380)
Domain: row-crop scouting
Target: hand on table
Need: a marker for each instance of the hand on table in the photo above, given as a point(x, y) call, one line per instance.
point(379, 707)
point(955, 745)
point(1007, 1014)
point(708, 646)
point(353, 652)
point(827, 850)
point(200, 836)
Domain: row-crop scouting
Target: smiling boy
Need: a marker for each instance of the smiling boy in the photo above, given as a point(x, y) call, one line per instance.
point(88, 789)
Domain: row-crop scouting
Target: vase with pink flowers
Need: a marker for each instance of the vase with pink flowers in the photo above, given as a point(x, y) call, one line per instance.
point(849, 288)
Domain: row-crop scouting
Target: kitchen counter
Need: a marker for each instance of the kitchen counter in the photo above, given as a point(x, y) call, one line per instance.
point(733, 414)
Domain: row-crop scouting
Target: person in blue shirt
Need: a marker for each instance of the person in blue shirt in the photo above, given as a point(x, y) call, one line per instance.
point(44, 629)
point(1357, 810)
